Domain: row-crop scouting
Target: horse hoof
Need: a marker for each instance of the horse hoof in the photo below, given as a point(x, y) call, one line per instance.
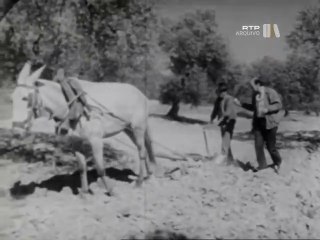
point(152, 180)
point(109, 194)
point(139, 183)
point(84, 193)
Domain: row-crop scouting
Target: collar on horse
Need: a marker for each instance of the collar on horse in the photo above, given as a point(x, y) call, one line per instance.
point(33, 99)
point(36, 106)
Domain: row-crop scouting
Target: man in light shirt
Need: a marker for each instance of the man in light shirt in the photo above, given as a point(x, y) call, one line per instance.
point(266, 105)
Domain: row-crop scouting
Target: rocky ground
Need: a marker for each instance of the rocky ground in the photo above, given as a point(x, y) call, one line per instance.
point(207, 201)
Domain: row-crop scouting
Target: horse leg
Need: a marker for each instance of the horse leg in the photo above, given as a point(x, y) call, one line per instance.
point(97, 150)
point(150, 152)
point(83, 172)
point(139, 135)
point(133, 138)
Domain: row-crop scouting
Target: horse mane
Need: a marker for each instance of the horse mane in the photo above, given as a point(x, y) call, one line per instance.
point(50, 83)
point(50, 87)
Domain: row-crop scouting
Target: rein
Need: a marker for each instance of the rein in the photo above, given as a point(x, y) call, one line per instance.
point(34, 104)
point(67, 114)
point(38, 104)
point(26, 86)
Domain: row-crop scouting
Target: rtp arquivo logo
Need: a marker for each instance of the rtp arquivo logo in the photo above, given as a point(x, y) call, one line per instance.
point(271, 31)
point(267, 30)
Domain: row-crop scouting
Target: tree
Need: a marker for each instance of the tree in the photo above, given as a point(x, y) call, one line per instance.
point(303, 87)
point(304, 59)
point(305, 36)
point(124, 37)
point(197, 53)
point(6, 6)
point(100, 40)
point(274, 73)
point(293, 79)
point(45, 31)
point(10, 55)
point(195, 41)
point(178, 90)
point(234, 76)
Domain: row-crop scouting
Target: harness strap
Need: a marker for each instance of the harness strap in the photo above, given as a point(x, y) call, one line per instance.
point(69, 103)
point(107, 111)
point(76, 98)
point(104, 111)
point(73, 93)
point(26, 86)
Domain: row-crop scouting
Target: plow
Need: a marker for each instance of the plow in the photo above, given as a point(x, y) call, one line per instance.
point(59, 152)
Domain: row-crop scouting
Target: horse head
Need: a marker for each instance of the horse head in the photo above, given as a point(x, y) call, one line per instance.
point(21, 96)
point(34, 98)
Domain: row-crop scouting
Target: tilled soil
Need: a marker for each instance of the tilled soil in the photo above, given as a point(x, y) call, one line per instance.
point(206, 201)
point(209, 201)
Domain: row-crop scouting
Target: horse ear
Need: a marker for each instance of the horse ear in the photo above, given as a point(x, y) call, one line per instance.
point(35, 76)
point(24, 73)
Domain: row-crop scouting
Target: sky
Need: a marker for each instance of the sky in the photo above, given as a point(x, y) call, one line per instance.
point(232, 14)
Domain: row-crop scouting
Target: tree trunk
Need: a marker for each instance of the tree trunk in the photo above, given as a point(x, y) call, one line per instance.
point(286, 112)
point(173, 112)
point(5, 7)
point(307, 112)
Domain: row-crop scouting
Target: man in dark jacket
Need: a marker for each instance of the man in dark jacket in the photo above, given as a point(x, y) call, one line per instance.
point(266, 106)
point(225, 110)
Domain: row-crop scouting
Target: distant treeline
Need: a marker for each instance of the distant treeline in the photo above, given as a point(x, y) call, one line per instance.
point(174, 61)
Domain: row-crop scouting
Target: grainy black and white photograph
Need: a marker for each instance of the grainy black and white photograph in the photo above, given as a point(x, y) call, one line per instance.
point(168, 119)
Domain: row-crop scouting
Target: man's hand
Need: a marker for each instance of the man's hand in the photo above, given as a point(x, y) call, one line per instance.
point(222, 122)
point(237, 102)
point(264, 111)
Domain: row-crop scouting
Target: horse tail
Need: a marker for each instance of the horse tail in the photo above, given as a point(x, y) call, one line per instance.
point(149, 146)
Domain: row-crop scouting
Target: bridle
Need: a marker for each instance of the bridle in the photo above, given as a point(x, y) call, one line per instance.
point(35, 107)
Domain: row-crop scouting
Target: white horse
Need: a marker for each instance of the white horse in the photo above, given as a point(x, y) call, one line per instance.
point(126, 102)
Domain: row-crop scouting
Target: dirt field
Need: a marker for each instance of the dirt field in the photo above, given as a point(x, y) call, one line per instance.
point(209, 201)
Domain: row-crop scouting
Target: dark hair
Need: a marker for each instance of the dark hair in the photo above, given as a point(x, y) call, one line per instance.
point(222, 87)
point(259, 82)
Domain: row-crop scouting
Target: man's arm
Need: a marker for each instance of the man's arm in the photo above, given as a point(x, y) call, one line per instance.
point(249, 106)
point(275, 103)
point(214, 110)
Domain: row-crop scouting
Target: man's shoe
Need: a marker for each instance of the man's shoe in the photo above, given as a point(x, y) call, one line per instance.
point(276, 168)
point(262, 167)
point(259, 168)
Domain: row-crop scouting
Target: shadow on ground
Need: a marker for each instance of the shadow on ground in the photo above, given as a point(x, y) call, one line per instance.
point(161, 235)
point(58, 182)
point(310, 140)
point(180, 119)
